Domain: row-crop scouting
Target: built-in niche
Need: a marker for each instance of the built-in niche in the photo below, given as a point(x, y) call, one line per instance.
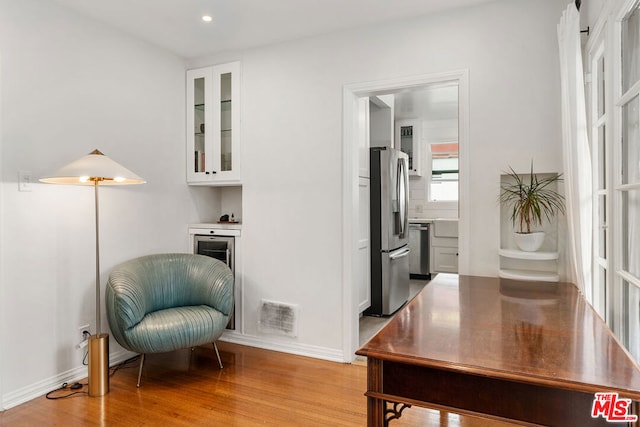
point(544, 264)
point(219, 201)
point(230, 202)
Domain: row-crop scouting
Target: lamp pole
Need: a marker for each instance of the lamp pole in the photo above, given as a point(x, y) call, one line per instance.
point(98, 343)
point(98, 316)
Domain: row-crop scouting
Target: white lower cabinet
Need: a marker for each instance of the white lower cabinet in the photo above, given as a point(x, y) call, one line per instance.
point(444, 246)
point(445, 260)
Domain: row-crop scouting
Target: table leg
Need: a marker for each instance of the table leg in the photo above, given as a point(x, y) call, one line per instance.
point(375, 407)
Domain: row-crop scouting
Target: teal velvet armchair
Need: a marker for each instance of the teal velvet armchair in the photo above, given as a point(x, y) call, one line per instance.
point(165, 302)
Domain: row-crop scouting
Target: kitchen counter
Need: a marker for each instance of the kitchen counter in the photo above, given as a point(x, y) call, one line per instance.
point(218, 225)
point(429, 220)
point(214, 228)
point(420, 221)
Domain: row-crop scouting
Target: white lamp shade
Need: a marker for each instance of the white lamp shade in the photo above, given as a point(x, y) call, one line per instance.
point(95, 166)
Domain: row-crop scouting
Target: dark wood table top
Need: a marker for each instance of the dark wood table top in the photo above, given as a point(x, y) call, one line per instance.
point(531, 332)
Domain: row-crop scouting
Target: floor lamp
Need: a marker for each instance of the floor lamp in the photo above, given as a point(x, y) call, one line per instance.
point(96, 169)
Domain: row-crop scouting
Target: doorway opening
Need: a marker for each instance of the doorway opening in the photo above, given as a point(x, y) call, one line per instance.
point(430, 124)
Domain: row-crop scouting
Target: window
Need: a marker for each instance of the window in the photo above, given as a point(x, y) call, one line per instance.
point(599, 149)
point(444, 172)
point(615, 148)
point(627, 172)
point(440, 143)
point(614, 62)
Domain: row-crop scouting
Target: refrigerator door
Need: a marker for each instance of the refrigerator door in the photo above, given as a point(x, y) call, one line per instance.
point(395, 280)
point(393, 198)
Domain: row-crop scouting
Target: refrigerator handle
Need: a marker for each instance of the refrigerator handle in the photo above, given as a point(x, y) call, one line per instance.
point(405, 174)
point(403, 200)
point(400, 254)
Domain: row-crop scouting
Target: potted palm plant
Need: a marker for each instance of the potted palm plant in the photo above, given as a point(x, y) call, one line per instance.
point(530, 201)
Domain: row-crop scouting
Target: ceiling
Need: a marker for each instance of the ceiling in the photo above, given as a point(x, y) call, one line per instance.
point(176, 25)
point(433, 102)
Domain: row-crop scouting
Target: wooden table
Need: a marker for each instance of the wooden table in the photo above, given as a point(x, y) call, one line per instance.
point(528, 351)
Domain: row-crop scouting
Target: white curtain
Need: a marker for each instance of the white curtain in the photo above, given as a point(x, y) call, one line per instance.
point(577, 159)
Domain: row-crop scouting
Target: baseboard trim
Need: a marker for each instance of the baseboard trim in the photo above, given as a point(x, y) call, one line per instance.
point(40, 388)
point(313, 351)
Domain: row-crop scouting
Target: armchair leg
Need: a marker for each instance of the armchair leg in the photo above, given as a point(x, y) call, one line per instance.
point(140, 370)
point(215, 347)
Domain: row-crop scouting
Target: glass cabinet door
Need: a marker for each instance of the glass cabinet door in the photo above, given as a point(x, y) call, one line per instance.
point(226, 122)
point(199, 109)
point(406, 142)
point(199, 112)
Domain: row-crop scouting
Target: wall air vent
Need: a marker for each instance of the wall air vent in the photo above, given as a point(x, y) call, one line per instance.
point(279, 318)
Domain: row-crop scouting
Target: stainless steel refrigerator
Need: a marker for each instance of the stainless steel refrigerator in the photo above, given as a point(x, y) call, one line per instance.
point(389, 230)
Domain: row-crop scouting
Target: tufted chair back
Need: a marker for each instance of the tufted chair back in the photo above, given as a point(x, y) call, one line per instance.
point(150, 284)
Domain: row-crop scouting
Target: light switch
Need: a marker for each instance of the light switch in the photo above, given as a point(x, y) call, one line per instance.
point(24, 181)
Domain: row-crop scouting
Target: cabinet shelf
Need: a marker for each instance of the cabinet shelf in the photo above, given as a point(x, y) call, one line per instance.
point(221, 130)
point(540, 276)
point(517, 254)
point(225, 103)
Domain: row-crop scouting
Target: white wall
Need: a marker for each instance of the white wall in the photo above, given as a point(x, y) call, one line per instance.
point(70, 85)
point(292, 139)
point(589, 13)
point(2, 298)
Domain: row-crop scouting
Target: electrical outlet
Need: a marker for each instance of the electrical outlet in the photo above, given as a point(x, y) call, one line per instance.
point(84, 336)
point(84, 332)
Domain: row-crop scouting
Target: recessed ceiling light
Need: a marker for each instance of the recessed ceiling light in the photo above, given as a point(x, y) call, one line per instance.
point(207, 18)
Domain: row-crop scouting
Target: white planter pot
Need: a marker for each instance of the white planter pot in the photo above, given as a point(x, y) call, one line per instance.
point(529, 242)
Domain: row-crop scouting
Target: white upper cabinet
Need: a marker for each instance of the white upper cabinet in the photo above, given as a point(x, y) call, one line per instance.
point(213, 125)
point(408, 140)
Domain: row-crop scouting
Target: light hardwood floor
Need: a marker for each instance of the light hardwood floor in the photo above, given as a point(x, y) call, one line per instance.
point(256, 387)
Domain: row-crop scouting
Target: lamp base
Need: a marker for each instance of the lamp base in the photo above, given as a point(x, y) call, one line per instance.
point(98, 365)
